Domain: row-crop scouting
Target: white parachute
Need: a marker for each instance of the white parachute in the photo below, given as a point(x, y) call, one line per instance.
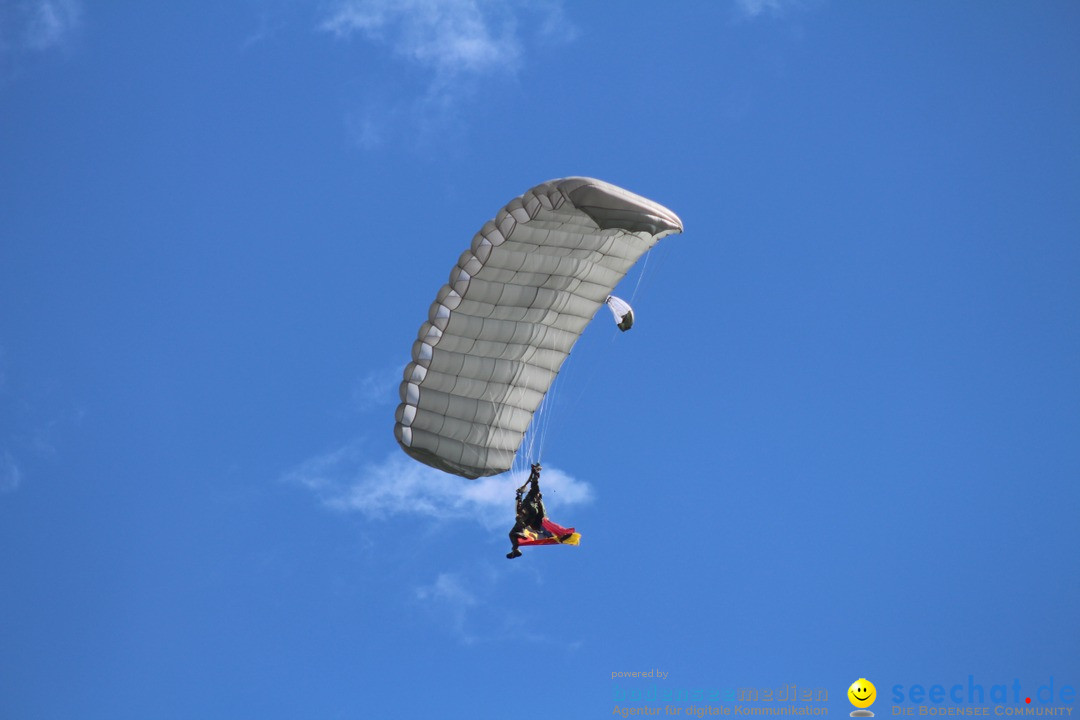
point(515, 304)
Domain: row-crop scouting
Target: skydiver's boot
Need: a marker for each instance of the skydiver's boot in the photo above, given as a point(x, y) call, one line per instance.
point(513, 554)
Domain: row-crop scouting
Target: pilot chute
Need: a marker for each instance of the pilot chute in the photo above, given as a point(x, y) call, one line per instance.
point(621, 310)
point(514, 305)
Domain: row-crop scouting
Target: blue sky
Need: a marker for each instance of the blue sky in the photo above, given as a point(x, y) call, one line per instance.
point(842, 440)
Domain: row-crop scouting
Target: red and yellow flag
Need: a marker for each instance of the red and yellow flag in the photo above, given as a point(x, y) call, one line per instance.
point(549, 534)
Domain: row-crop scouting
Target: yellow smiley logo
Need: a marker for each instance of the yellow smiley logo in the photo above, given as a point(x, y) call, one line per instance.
point(862, 693)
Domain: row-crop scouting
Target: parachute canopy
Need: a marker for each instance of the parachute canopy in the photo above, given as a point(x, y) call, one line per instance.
point(514, 305)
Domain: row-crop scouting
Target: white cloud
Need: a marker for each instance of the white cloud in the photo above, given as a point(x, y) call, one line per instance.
point(449, 588)
point(50, 23)
point(447, 36)
point(460, 604)
point(378, 388)
point(10, 475)
point(368, 129)
point(266, 29)
point(30, 27)
point(400, 486)
point(454, 43)
point(450, 599)
point(775, 8)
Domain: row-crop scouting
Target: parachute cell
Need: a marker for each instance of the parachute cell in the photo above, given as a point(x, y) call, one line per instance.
point(511, 310)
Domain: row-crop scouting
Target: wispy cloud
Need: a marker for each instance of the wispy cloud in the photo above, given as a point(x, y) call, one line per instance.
point(399, 486)
point(265, 30)
point(49, 23)
point(450, 37)
point(378, 388)
point(772, 8)
point(36, 419)
point(453, 43)
point(459, 602)
point(32, 27)
point(447, 587)
point(10, 475)
point(450, 598)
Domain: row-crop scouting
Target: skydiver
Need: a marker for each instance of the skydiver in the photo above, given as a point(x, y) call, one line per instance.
point(529, 512)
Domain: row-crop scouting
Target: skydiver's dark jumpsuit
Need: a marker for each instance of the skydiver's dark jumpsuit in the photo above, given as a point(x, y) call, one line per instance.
point(530, 511)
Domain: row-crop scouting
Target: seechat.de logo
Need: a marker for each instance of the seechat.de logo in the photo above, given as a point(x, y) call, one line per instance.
point(862, 695)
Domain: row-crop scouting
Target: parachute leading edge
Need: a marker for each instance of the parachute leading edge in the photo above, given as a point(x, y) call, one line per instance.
point(513, 307)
